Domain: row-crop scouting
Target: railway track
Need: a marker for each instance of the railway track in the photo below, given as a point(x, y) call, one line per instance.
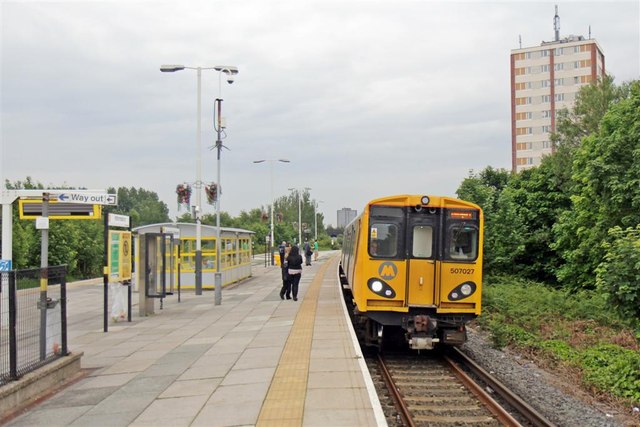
point(432, 390)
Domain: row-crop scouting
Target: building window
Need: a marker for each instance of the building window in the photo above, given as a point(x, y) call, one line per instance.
point(558, 67)
point(585, 79)
point(558, 51)
point(524, 161)
point(546, 129)
point(519, 71)
point(545, 83)
point(520, 146)
point(546, 98)
point(546, 144)
point(559, 97)
point(545, 68)
point(545, 53)
point(585, 63)
point(523, 131)
point(576, 49)
point(528, 54)
point(546, 114)
point(558, 82)
point(524, 116)
point(576, 64)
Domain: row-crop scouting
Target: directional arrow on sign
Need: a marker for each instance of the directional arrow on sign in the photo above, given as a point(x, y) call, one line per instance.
point(87, 198)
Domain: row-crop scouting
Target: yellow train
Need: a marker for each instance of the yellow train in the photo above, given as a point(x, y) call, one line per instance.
point(413, 263)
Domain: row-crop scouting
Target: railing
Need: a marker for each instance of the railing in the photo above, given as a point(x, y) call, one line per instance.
point(33, 320)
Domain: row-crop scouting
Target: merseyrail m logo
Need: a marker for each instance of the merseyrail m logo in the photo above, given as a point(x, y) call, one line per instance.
point(387, 270)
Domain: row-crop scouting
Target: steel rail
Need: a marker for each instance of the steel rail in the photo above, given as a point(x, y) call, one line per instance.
point(494, 407)
point(397, 397)
point(515, 401)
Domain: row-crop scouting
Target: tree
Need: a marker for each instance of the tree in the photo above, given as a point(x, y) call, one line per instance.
point(143, 206)
point(606, 179)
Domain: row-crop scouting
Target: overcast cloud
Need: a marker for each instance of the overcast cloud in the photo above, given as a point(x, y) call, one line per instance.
point(366, 98)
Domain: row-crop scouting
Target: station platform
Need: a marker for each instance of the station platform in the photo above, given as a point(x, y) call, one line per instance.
point(252, 360)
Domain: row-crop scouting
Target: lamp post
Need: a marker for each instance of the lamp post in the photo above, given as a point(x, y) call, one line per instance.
point(271, 161)
point(298, 191)
point(198, 184)
point(230, 71)
point(315, 216)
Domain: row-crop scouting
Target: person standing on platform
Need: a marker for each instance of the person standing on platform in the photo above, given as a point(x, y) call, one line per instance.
point(307, 252)
point(316, 249)
point(294, 262)
point(286, 279)
point(281, 250)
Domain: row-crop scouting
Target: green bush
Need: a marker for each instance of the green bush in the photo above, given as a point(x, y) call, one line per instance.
point(529, 315)
point(618, 276)
point(613, 368)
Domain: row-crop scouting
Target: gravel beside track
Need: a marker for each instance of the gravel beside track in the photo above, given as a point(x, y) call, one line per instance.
point(530, 383)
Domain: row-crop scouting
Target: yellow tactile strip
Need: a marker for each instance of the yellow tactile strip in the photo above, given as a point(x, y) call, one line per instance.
point(284, 404)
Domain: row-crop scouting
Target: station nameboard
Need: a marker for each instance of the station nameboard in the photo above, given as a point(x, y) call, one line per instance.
point(32, 209)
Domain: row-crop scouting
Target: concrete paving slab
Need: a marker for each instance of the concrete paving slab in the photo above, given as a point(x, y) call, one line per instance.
point(52, 417)
point(186, 388)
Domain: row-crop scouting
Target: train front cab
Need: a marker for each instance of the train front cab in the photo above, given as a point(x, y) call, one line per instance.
point(423, 270)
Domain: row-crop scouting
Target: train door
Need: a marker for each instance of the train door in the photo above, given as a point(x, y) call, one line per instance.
point(422, 235)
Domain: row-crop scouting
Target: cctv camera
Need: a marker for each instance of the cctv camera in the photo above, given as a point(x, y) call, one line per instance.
point(230, 78)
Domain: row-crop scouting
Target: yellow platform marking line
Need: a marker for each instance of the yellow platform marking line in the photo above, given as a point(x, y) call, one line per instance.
point(284, 404)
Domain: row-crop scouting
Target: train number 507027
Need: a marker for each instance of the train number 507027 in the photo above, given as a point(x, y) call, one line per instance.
point(462, 270)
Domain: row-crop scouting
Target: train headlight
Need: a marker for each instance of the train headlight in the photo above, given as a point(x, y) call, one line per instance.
point(463, 290)
point(376, 286)
point(424, 200)
point(379, 287)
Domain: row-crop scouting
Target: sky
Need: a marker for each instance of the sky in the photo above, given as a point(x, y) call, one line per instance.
point(365, 98)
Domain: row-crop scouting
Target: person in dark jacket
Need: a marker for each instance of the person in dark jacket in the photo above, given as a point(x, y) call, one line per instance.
point(294, 267)
point(286, 280)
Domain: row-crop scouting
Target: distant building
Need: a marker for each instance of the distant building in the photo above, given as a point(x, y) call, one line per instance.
point(545, 79)
point(345, 216)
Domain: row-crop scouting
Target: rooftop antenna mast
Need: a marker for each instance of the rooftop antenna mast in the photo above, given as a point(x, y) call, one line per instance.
point(589, 32)
point(520, 40)
point(556, 24)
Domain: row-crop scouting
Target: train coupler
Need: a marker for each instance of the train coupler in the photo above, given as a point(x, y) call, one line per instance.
point(422, 343)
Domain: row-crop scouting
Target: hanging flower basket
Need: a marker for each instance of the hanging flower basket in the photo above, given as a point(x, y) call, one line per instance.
point(184, 194)
point(212, 192)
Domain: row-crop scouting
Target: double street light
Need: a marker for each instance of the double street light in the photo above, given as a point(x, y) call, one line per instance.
point(230, 71)
point(298, 191)
point(315, 216)
point(271, 162)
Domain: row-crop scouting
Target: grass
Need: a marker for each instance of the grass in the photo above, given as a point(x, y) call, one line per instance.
point(577, 330)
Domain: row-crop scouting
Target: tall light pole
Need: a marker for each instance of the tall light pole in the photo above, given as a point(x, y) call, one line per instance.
point(315, 216)
point(271, 161)
point(198, 184)
point(230, 71)
point(298, 191)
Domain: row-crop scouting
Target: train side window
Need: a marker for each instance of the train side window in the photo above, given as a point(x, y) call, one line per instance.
point(422, 241)
point(462, 242)
point(383, 240)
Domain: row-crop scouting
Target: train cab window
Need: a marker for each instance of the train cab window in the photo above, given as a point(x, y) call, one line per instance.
point(422, 241)
point(462, 242)
point(383, 240)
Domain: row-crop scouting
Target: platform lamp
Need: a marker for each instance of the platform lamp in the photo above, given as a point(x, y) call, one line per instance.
point(271, 238)
point(198, 183)
point(315, 216)
point(298, 191)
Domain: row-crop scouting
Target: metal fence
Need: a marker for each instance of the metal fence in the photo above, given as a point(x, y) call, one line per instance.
point(33, 320)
